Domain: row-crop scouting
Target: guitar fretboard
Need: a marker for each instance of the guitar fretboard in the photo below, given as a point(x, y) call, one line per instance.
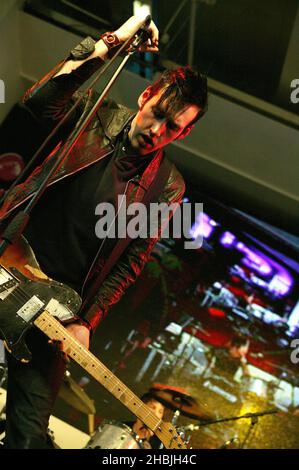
point(75, 350)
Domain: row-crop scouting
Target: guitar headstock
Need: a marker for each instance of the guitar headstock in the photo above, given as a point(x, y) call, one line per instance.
point(169, 436)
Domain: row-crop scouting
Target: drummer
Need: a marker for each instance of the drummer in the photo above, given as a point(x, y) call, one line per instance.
point(229, 359)
point(145, 434)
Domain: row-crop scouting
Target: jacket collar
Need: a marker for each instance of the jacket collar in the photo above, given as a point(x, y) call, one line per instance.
point(114, 122)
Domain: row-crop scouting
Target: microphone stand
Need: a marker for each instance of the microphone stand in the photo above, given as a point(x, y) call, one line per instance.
point(254, 421)
point(253, 416)
point(16, 227)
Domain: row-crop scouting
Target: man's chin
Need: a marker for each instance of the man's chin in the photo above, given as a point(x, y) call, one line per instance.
point(141, 147)
point(143, 151)
point(144, 145)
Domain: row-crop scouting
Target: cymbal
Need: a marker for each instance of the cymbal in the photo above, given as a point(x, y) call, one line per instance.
point(158, 386)
point(75, 396)
point(185, 403)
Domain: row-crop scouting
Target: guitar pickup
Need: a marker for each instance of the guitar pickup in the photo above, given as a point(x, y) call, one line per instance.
point(62, 312)
point(30, 308)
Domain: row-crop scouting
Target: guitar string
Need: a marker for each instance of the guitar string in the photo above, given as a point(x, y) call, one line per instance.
point(25, 296)
point(110, 377)
point(115, 382)
point(19, 295)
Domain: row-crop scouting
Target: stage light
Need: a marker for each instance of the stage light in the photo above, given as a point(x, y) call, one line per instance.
point(203, 226)
point(227, 239)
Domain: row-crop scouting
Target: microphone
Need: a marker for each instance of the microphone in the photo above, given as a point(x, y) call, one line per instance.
point(147, 22)
point(142, 33)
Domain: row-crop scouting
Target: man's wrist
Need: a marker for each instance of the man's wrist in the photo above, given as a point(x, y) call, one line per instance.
point(94, 315)
point(112, 42)
point(83, 322)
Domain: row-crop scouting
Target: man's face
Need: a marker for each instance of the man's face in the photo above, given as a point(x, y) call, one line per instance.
point(157, 408)
point(140, 428)
point(238, 352)
point(152, 129)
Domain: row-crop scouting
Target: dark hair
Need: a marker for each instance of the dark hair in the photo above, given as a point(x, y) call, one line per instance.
point(182, 86)
point(238, 341)
point(147, 397)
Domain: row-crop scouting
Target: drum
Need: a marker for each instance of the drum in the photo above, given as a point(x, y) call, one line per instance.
point(255, 386)
point(114, 435)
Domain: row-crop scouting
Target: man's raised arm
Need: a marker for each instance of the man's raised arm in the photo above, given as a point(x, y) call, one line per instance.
point(116, 39)
point(49, 98)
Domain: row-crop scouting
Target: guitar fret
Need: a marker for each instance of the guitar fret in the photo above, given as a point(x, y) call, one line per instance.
point(102, 374)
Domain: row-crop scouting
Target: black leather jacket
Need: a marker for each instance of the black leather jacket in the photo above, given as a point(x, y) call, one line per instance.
point(48, 101)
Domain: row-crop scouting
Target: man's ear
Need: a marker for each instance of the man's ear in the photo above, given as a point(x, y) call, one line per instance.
point(184, 133)
point(144, 97)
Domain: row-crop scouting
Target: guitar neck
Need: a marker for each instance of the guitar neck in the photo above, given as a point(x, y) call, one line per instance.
point(88, 361)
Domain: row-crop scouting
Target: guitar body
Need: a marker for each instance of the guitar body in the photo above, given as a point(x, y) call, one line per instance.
point(24, 291)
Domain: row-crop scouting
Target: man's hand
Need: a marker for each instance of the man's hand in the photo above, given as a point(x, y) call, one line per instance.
point(123, 33)
point(80, 333)
point(133, 23)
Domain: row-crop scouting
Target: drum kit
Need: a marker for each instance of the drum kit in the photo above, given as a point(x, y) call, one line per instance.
point(258, 386)
point(177, 399)
point(116, 435)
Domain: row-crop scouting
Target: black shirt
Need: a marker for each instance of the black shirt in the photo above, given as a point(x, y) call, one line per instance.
point(225, 363)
